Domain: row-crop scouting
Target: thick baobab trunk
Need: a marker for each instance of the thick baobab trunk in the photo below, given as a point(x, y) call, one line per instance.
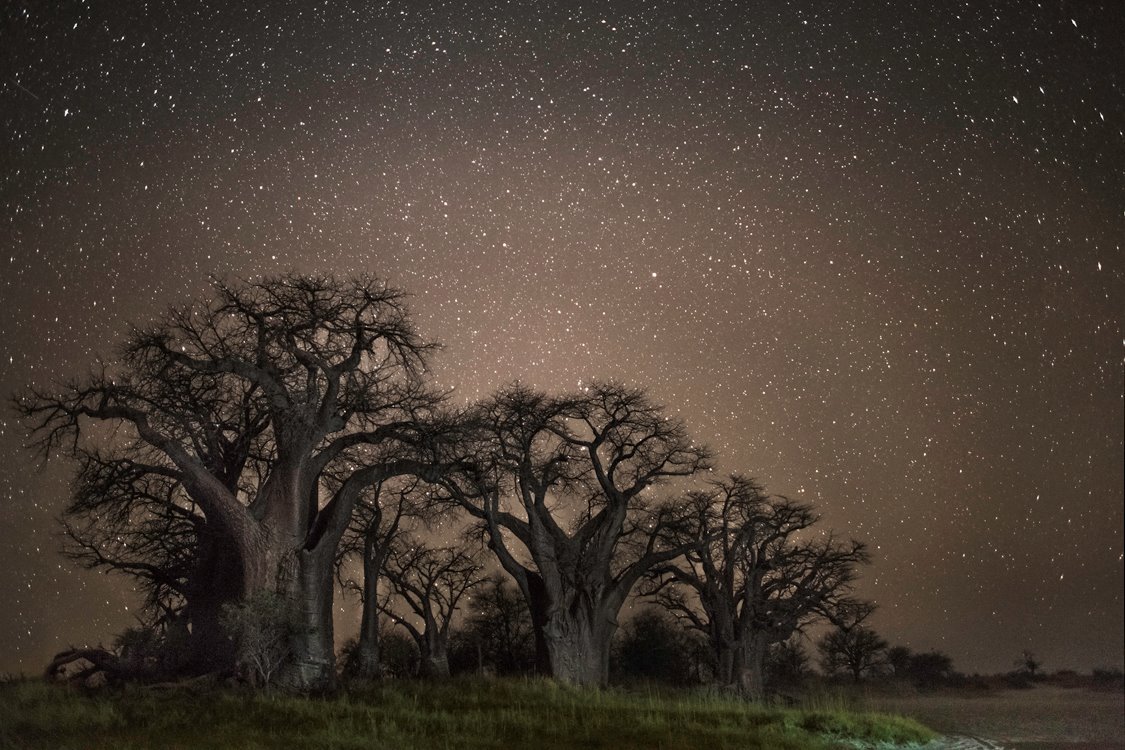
point(726, 663)
point(751, 682)
point(215, 583)
point(434, 657)
point(313, 658)
point(230, 565)
point(578, 646)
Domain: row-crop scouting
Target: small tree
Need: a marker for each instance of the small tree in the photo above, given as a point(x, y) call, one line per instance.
point(651, 647)
point(856, 651)
point(1028, 664)
point(431, 582)
point(898, 659)
point(262, 627)
point(498, 629)
point(930, 669)
point(786, 662)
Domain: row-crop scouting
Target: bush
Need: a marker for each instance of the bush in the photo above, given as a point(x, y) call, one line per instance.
point(153, 652)
point(1109, 678)
point(262, 626)
point(787, 664)
point(650, 647)
point(1017, 680)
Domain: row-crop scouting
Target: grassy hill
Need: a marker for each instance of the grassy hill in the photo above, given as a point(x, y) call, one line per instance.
point(535, 714)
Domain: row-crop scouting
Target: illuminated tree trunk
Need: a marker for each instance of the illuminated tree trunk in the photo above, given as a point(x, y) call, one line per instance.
point(578, 644)
point(313, 664)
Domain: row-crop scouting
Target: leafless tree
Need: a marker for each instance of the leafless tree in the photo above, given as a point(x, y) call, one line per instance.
point(431, 582)
point(856, 651)
point(123, 519)
point(557, 483)
point(498, 625)
point(752, 574)
point(381, 514)
point(245, 403)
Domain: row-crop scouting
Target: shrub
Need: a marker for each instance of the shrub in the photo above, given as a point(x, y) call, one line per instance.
point(262, 626)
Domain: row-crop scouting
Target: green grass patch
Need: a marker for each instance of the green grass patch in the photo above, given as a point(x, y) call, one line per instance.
point(469, 714)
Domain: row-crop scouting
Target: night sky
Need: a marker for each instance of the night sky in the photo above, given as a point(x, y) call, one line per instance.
point(870, 252)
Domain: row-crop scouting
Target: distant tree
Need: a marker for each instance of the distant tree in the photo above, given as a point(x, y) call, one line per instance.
point(380, 517)
point(1106, 676)
point(898, 659)
point(431, 582)
point(749, 577)
point(1027, 663)
point(930, 669)
point(856, 651)
point(498, 633)
point(557, 484)
point(787, 663)
point(249, 403)
point(651, 647)
point(399, 654)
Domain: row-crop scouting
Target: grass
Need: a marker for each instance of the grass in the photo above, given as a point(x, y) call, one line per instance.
point(404, 715)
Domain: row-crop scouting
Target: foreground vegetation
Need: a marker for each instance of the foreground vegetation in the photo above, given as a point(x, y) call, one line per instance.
point(406, 714)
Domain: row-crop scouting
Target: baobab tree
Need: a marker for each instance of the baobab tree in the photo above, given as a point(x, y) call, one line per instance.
point(431, 581)
point(557, 484)
point(245, 403)
point(748, 578)
point(382, 512)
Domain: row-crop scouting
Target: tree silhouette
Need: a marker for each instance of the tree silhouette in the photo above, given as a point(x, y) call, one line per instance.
point(1027, 663)
point(557, 486)
point(379, 518)
point(651, 647)
point(126, 520)
point(746, 580)
point(498, 630)
point(246, 403)
point(431, 582)
point(851, 647)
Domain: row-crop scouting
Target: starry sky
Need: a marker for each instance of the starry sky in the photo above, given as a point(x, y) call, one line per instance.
point(871, 252)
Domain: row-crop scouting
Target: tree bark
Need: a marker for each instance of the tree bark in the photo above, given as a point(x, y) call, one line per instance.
point(367, 656)
point(726, 659)
point(434, 657)
point(313, 664)
point(578, 645)
point(230, 566)
point(216, 582)
point(751, 670)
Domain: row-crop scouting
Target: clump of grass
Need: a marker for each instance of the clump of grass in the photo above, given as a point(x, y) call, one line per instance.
point(403, 715)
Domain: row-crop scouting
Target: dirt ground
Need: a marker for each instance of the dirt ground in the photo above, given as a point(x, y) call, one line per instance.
point(1040, 718)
